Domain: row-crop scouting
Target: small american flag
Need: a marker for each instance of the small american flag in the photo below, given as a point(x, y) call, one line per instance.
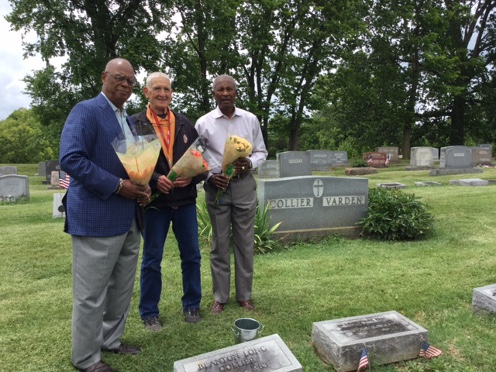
point(427, 351)
point(64, 180)
point(364, 361)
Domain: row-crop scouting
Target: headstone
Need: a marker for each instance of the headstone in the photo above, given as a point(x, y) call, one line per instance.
point(50, 166)
point(392, 185)
point(54, 180)
point(428, 183)
point(422, 157)
point(268, 169)
point(13, 186)
point(58, 207)
point(376, 159)
point(294, 163)
point(481, 155)
point(339, 159)
point(484, 299)
point(393, 153)
point(456, 157)
point(389, 337)
point(313, 206)
point(42, 169)
point(435, 153)
point(8, 169)
point(470, 182)
point(268, 354)
point(320, 160)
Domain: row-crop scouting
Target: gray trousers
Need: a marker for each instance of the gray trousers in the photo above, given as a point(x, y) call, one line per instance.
point(103, 274)
point(237, 208)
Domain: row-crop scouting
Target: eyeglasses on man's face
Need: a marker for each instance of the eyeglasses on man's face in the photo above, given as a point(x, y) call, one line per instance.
point(121, 79)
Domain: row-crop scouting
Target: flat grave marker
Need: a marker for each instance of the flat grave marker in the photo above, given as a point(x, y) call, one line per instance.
point(389, 337)
point(268, 354)
point(484, 299)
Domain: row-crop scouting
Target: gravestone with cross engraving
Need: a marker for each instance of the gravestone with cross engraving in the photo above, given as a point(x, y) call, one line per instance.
point(311, 206)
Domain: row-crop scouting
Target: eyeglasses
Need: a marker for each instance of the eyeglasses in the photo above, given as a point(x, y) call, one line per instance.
point(121, 79)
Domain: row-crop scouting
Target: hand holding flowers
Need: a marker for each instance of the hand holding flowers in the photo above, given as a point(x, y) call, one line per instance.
point(192, 163)
point(234, 159)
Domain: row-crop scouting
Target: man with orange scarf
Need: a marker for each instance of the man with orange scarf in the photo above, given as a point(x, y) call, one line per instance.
point(176, 204)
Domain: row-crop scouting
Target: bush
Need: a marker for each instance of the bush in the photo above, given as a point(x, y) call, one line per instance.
point(395, 215)
point(263, 234)
point(359, 163)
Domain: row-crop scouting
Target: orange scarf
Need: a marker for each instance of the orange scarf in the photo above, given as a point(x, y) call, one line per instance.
point(165, 129)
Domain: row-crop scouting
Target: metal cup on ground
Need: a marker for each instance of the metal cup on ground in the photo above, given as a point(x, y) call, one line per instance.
point(246, 329)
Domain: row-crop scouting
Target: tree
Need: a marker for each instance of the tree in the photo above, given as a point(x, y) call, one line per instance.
point(86, 35)
point(24, 140)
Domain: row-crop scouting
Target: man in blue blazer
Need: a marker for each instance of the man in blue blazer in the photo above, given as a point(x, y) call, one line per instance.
point(102, 215)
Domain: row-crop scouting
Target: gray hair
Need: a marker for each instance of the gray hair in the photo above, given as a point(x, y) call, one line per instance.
point(155, 75)
point(222, 77)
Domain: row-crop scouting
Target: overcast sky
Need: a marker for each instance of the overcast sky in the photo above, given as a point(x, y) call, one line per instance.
point(13, 67)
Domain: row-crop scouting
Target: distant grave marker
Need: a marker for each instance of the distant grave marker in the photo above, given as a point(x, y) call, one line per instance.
point(8, 169)
point(14, 186)
point(294, 163)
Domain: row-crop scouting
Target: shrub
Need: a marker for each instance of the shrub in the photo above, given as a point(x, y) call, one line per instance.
point(263, 234)
point(395, 215)
point(359, 163)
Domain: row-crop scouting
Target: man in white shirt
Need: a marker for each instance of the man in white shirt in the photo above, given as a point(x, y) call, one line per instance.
point(237, 205)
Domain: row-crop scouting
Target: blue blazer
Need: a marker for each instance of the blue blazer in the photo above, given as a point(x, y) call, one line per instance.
point(92, 208)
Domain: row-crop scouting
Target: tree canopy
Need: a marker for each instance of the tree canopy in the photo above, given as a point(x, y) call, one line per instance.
point(348, 75)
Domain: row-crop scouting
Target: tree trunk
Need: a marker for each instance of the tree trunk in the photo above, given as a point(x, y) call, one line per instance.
point(457, 133)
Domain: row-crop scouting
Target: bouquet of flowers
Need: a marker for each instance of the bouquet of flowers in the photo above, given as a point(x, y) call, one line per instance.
point(236, 147)
point(138, 156)
point(196, 160)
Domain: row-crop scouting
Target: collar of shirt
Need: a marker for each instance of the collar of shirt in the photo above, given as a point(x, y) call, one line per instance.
point(219, 114)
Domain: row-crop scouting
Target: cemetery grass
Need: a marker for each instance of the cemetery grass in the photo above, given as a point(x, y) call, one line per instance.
point(428, 281)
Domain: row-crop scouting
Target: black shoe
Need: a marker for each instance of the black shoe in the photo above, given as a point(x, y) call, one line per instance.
point(192, 315)
point(152, 324)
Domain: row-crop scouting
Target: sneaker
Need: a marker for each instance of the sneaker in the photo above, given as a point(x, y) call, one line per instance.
point(152, 324)
point(192, 315)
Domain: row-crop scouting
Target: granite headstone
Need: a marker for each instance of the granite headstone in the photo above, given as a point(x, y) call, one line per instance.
point(320, 160)
point(339, 159)
point(422, 157)
point(484, 299)
point(312, 206)
point(481, 155)
point(389, 337)
point(294, 163)
point(13, 186)
point(376, 159)
point(392, 151)
point(457, 157)
point(8, 169)
point(268, 169)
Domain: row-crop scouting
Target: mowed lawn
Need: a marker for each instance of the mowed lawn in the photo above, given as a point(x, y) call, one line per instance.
point(429, 281)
